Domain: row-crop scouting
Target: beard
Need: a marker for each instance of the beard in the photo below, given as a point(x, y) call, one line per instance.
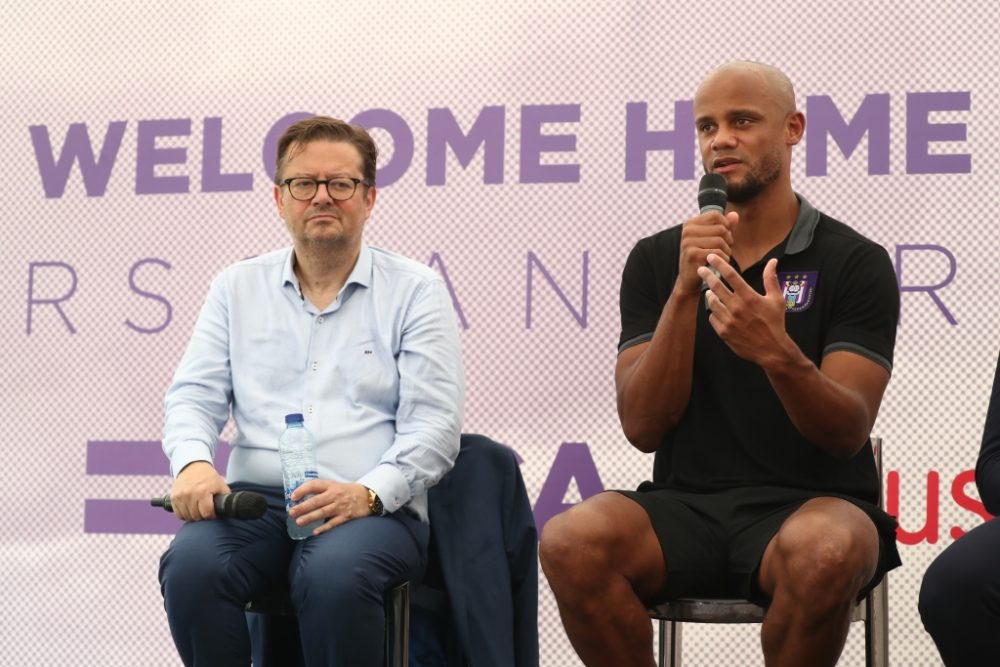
point(757, 179)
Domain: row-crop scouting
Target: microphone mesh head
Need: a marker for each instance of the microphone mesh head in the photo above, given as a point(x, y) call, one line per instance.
point(712, 191)
point(247, 505)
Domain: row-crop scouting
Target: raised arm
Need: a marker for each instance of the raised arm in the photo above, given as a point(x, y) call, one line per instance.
point(653, 374)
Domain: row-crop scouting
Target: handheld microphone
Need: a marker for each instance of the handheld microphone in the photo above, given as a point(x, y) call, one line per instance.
point(712, 193)
point(712, 196)
point(239, 505)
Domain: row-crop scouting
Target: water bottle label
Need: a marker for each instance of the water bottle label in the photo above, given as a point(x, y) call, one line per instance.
point(296, 483)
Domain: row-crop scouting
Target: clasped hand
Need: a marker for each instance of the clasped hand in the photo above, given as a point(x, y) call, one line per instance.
point(751, 324)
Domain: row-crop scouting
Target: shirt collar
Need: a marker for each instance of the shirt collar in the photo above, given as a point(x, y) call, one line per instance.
point(802, 232)
point(361, 274)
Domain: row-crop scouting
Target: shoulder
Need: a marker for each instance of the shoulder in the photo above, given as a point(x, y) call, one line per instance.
point(834, 235)
point(401, 268)
point(405, 281)
point(650, 251)
point(253, 273)
point(666, 239)
point(258, 264)
point(850, 255)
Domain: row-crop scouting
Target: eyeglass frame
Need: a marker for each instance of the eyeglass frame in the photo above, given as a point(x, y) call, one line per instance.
point(326, 184)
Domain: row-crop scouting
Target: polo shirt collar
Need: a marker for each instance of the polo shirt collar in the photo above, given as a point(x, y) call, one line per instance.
point(804, 228)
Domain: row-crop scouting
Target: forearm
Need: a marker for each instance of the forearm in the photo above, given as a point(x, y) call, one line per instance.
point(653, 390)
point(834, 417)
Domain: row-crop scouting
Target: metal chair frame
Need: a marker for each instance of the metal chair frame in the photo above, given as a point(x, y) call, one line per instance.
point(873, 611)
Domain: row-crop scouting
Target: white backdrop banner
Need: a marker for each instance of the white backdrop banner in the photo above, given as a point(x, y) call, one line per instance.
point(525, 148)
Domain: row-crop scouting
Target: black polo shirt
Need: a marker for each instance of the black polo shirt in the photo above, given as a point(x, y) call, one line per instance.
point(841, 294)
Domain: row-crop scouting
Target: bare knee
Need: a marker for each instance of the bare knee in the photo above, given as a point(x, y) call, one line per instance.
point(574, 541)
point(605, 540)
point(822, 560)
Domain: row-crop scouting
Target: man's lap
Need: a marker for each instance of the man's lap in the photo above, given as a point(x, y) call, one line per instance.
point(713, 542)
point(258, 556)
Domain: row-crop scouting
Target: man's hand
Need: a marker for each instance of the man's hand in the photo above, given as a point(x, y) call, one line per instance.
point(333, 502)
point(191, 494)
point(751, 324)
point(708, 233)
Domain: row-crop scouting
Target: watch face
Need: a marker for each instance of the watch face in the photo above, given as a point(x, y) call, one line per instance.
point(374, 502)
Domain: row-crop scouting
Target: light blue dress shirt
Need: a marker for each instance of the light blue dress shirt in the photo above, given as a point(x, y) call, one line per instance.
point(377, 375)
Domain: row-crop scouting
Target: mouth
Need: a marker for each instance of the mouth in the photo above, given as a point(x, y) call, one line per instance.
point(322, 217)
point(724, 164)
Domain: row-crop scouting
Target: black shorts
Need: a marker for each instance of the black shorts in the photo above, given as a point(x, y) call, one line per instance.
point(713, 541)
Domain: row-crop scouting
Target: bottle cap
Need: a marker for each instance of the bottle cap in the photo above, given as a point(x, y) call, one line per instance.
point(295, 417)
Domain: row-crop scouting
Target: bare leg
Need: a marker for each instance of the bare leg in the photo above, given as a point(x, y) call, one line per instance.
point(813, 569)
point(602, 558)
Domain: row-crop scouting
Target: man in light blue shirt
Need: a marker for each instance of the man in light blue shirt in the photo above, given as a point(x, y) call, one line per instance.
point(364, 343)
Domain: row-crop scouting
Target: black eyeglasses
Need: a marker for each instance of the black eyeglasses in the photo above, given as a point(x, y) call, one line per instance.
point(304, 189)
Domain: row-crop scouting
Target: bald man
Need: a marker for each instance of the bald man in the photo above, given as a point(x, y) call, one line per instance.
point(757, 396)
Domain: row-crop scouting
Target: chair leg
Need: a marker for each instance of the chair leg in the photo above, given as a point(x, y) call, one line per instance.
point(397, 627)
point(670, 644)
point(877, 626)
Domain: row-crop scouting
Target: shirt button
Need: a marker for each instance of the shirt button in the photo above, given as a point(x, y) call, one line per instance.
point(319, 320)
point(310, 409)
point(315, 365)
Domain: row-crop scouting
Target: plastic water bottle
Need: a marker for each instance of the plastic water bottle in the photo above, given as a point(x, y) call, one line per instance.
point(297, 451)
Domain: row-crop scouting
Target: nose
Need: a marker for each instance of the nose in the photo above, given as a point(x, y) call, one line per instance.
point(723, 139)
point(322, 195)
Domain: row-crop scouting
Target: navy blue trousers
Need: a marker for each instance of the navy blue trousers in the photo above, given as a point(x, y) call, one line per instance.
point(337, 581)
point(960, 598)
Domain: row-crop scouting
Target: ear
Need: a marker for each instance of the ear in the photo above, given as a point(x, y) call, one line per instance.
point(278, 203)
point(370, 199)
point(795, 127)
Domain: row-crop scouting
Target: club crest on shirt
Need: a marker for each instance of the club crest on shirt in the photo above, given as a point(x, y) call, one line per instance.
point(798, 288)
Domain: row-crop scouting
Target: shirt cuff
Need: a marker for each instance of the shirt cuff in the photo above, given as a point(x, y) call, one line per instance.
point(186, 453)
point(389, 485)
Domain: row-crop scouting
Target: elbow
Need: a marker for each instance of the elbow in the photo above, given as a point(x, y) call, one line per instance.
point(848, 449)
point(643, 434)
point(842, 438)
point(841, 446)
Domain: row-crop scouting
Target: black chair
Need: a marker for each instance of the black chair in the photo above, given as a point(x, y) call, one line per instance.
point(276, 637)
point(873, 611)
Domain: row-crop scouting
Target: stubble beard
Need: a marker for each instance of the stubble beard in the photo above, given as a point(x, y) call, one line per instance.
point(756, 180)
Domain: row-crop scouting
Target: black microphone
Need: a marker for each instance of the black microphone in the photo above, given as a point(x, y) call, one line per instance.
point(239, 505)
point(712, 196)
point(712, 193)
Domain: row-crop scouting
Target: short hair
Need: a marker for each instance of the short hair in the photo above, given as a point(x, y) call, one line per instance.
point(329, 129)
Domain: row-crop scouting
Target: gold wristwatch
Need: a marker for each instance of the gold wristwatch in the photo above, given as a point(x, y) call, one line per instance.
point(375, 503)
